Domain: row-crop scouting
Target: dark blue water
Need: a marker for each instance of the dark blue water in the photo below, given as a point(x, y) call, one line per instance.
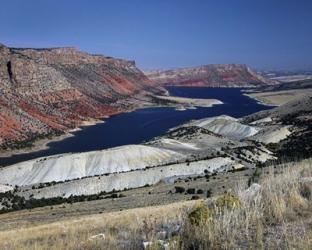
point(144, 124)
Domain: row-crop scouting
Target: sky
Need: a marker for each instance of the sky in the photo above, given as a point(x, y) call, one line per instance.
point(160, 34)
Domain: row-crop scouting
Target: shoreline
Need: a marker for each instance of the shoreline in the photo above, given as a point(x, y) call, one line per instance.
point(277, 98)
point(39, 145)
point(261, 101)
point(42, 144)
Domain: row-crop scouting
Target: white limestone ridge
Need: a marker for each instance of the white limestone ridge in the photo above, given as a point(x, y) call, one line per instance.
point(72, 166)
point(5, 188)
point(132, 179)
point(227, 126)
point(273, 134)
point(263, 120)
point(177, 144)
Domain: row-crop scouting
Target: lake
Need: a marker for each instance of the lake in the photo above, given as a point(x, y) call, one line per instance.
point(144, 124)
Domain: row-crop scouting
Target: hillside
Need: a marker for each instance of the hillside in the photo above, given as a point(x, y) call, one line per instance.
point(45, 92)
point(303, 84)
point(202, 147)
point(298, 108)
point(213, 75)
point(232, 166)
point(281, 93)
point(74, 166)
point(274, 213)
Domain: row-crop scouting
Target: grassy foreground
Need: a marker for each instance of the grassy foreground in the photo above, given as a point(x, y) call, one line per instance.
point(276, 214)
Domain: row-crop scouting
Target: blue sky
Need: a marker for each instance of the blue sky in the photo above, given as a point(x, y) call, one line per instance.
point(265, 34)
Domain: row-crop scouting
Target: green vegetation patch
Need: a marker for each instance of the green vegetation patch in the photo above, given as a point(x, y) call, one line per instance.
point(228, 201)
point(200, 215)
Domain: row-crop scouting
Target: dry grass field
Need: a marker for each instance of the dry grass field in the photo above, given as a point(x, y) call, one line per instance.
point(279, 97)
point(275, 215)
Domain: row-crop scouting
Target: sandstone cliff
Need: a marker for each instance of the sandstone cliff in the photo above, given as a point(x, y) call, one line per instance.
point(48, 91)
point(213, 75)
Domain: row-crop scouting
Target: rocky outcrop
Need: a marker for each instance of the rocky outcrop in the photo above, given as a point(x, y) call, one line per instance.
point(74, 166)
point(127, 180)
point(300, 108)
point(214, 75)
point(48, 91)
point(226, 126)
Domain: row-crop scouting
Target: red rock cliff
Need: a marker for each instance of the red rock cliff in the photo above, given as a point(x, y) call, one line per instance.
point(45, 91)
point(214, 75)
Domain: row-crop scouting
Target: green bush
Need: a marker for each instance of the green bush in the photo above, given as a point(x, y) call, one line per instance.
point(195, 197)
point(209, 193)
point(200, 191)
point(179, 189)
point(227, 201)
point(190, 190)
point(200, 215)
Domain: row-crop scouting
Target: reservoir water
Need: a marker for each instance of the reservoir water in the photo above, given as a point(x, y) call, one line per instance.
point(144, 124)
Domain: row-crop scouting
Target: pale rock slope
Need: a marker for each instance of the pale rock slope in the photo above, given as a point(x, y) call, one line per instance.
point(73, 166)
point(262, 121)
point(226, 126)
point(132, 179)
point(5, 188)
point(167, 142)
point(273, 134)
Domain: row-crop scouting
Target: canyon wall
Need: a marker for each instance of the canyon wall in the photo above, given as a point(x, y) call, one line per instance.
point(49, 91)
point(213, 75)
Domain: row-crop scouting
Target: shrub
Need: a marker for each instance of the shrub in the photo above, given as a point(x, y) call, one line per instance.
point(209, 193)
point(195, 197)
point(200, 191)
point(179, 189)
point(114, 195)
point(190, 190)
point(200, 215)
point(227, 201)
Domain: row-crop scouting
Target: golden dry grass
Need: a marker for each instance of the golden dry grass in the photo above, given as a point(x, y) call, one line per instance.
point(76, 233)
point(279, 216)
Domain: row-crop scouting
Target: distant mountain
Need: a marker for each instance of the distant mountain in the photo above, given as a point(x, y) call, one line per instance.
point(48, 91)
point(213, 75)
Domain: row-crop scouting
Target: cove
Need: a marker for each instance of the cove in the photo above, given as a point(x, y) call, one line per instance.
point(144, 124)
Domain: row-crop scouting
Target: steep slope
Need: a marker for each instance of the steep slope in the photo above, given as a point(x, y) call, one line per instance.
point(294, 109)
point(226, 126)
point(48, 91)
point(73, 166)
point(128, 180)
point(303, 84)
point(198, 148)
point(206, 146)
point(214, 75)
point(291, 121)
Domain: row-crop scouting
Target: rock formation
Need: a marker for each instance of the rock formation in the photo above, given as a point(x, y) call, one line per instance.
point(48, 91)
point(199, 147)
point(213, 75)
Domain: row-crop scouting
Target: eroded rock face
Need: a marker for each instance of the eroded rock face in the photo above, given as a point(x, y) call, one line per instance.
point(45, 91)
point(214, 75)
point(72, 166)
